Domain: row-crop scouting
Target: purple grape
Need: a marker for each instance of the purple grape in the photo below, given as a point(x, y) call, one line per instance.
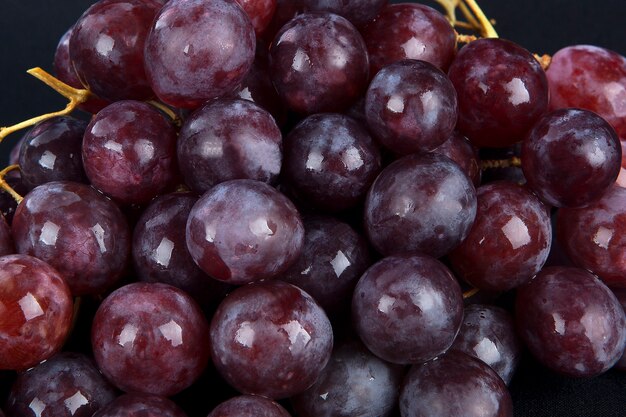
point(6, 239)
point(150, 338)
point(592, 78)
point(409, 31)
point(488, 334)
point(571, 322)
point(460, 150)
point(411, 107)
point(330, 161)
point(455, 384)
point(36, 311)
point(129, 152)
point(78, 231)
point(242, 231)
point(509, 241)
point(594, 237)
point(107, 48)
point(198, 50)
point(249, 406)
point(141, 405)
point(502, 91)
point(358, 12)
point(421, 202)
point(67, 385)
point(333, 259)
point(318, 63)
point(620, 293)
point(407, 309)
point(270, 339)
point(226, 140)
point(51, 151)
point(571, 157)
point(355, 383)
point(285, 11)
point(160, 251)
point(260, 12)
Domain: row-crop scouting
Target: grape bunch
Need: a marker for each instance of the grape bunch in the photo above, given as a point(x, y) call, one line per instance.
point(310, 208)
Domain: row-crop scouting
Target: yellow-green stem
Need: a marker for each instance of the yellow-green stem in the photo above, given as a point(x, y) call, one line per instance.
point(6, 187)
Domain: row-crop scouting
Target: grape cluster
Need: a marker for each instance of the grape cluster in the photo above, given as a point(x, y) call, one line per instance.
point(310, 208)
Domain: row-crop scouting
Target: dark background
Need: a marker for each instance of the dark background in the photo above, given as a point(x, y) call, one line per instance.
point(30, 29)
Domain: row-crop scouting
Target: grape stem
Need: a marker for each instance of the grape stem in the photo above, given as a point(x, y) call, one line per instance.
point(6, 187)
point(501, 163)
point(476, 19)
point(470, 293)
point(168, 111)
point(74, 95)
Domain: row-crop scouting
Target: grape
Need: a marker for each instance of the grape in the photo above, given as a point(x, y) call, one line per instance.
point(270, 339)
point(129, 152)
point(249, 406)
point(488, 333)
point(411, 107)
point(107, 48)
point(6, 239)
point(198, 50)
point(620, 293)
point(260, 12)
point(36, 307)
point(333, 259)
point(76, 230)
point(51, 151)
point(455, 384)
point(141, 405)
point(594, 238)
point(421, 202)
point(502, 91)
point(358, 12)
point(318, 63)
point(460, 150)
point(571, 157)
point(67, 385)
point(571, 322)
point(160, 251)
point(229, 139)
point(355, 383)
point(592, 78)
point(150, 338)
point(409, 31)
point(509, 241)
point(285, 11)
point(407, 309)
point(330, 161)
point(243, 230)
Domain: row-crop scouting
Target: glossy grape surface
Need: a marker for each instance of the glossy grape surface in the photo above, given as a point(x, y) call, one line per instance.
point(330, 161)
point(592, 78)
point(183, 67)
point(421, 202)
point(78, 231)
point(455, 384)
point(150, 338)
point(242, 231)
point(355, 383)
point(67, 385)
point(502, 91)
point(160, 250)
point(409, 31)
point(571, 322)
point(460, 150)
point(270, 339)
point(318, 63)
point(509, 241)
point(226, 140)
point(407, 309)
point(620, 293)
point(51, 151)
point(249, 406)
point(411, 107)
point(141, 405)
point(488, 333)
point(359, 12)
point(129, 152)
point(333, 258)
point(571, 157)
point(107, 48)
point(36, 311)
point(594, 237)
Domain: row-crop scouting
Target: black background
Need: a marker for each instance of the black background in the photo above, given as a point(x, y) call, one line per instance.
point(30, 29)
